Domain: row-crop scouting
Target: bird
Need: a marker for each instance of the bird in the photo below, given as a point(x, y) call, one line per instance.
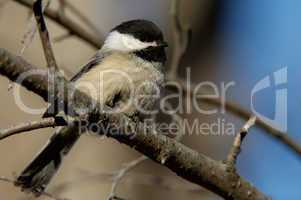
point(123, 74)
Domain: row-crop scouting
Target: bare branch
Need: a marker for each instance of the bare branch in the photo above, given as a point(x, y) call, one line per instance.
point(25, 127)
point(187, 163)
point(180, 38)
point(46, 194)
point(30, 31)
point(62, 7)
point(236, 147)
point(121, 173)
point(44, 35)
point(163, 182)
point(15, 67)
point(280, 136)
point(68, 24)
point(62, 37)
point(131, 165)
point(67, 5)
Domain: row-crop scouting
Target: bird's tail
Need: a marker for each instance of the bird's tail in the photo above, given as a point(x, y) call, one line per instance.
point(36, 176)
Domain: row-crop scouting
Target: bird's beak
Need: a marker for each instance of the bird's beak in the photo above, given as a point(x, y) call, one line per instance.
point(162, 44)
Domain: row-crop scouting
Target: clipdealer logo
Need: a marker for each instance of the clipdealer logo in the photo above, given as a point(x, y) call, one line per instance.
point(277, 80)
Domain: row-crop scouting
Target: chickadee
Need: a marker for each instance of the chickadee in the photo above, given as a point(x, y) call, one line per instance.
point(133, 54)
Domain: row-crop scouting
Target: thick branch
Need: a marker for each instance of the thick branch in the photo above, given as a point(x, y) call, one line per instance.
point(182, 160)
point(14, 67)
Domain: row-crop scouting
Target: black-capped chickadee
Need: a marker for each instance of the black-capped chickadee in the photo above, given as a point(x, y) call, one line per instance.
point(127, 69)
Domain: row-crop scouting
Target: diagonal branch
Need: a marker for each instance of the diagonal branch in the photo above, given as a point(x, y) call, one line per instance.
point(67, 5)
point(68, 24)
point(44, 35)
point(280, 136)
point(236, 147)
point(46, 194)
point(21, 128)
point(121, 173)
point(30, 31)
point(185, 162)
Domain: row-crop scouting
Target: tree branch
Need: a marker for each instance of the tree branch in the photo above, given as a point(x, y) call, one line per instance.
point(46, 194)
point(236, 147)
point(67, 5)
point(68, 24)
point(185, 162)
point(15, 67)
point(279, 136)
point(44, 35)
point(121, 173)
point(25, 127)
point(30, 31)
point(180, 39)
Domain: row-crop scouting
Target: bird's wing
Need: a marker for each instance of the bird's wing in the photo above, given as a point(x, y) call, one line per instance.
point(95, 60)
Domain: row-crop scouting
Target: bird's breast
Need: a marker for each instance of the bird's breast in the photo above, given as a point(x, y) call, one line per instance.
point(120, 74)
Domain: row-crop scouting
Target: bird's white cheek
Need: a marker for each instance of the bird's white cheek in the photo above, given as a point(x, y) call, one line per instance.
point(134, 44)
point(125, 43)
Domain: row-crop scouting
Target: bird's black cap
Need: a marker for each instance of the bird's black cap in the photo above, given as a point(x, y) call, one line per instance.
point(144, 30)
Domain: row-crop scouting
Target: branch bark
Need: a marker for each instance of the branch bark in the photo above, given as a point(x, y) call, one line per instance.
point(236, 147)
point(21, 128)
point(185, 162)
point(46, 194)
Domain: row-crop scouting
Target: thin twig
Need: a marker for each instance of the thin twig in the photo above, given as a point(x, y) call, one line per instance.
point(62, 37)
point(67, 5)
point(46, 194)
point(30, 30)
point(62, 7)
point(121, 173)
point(236, 147)
point(25, 127)
point(180, 38)
point(131, 165)
point(280, 136)
point(166, 183)
point(68, 24)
